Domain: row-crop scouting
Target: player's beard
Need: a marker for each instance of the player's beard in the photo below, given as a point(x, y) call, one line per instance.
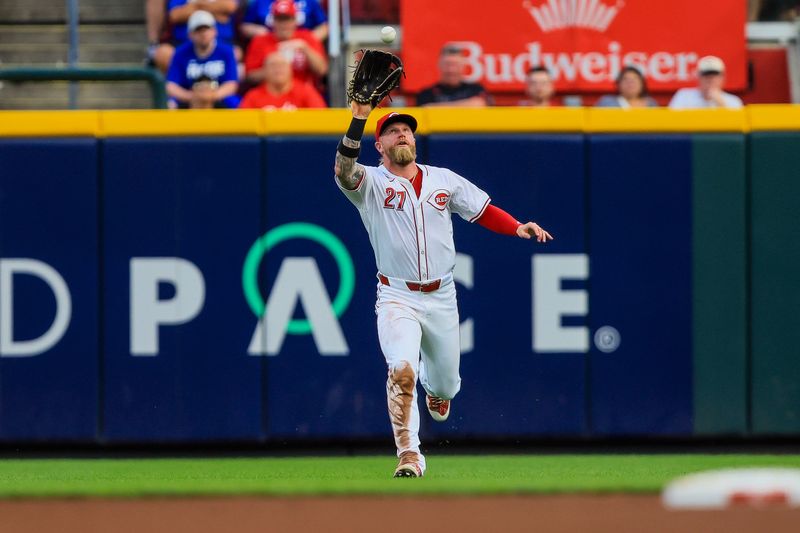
point(402, 155)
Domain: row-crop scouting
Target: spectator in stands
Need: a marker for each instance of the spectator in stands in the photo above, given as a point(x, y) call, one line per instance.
point(708, 93)
point(203, 90)
point(178, 13)
point(774, 10)
point(309, 60)
point(452, 90)
point(155, 14)
point(206, 60)
point(631, 91)
point(539, 88)
point(309, 15)
point(279, 90)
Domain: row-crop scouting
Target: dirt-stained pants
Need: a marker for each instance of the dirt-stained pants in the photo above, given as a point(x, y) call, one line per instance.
point(419, 337)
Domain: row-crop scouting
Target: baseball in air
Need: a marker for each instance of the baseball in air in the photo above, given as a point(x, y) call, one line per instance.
point(388, 34)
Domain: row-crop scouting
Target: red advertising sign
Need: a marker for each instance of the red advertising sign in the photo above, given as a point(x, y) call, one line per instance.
point(583, 43)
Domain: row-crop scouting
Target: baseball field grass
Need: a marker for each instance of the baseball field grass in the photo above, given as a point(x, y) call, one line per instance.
point(369, 475)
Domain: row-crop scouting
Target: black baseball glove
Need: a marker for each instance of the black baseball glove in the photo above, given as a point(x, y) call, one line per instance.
point(376, 74)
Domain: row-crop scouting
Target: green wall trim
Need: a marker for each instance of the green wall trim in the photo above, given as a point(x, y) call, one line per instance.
point(775, 285)
point(719, 280)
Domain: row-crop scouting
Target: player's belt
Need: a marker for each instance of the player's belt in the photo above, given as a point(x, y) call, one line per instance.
point(415, 286)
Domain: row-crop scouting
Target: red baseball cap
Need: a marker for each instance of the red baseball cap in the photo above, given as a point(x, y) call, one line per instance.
point(391, 118)
point(283, 8)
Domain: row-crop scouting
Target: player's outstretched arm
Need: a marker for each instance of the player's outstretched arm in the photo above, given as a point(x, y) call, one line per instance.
point(499, 221)
point(532, 229)
point(347, 169)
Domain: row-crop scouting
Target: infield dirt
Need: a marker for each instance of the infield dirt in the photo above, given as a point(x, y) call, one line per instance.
point(554, 514)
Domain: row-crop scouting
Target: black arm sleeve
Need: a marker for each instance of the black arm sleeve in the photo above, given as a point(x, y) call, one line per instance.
point(350, 145)
point(356, 129)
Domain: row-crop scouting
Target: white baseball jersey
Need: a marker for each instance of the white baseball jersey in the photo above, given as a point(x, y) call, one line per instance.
point(413, 237)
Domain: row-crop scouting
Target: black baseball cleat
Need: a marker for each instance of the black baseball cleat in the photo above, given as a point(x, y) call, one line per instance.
point(406, 472)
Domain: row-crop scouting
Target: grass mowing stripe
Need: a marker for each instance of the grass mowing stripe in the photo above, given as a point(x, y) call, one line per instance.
point(491, 474)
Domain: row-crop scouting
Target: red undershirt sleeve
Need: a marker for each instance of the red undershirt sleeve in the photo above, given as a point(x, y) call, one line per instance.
point(499, 221)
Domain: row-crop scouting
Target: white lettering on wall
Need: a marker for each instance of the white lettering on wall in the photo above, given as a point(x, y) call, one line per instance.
point(464, 274)
point(32, 267)
point(148, 313)
point(551, 303)
point(594, 66)
point(298, 281)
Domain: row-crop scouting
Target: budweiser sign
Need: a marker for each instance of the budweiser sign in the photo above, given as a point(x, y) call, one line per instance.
point(583, 43)
point(574, 67)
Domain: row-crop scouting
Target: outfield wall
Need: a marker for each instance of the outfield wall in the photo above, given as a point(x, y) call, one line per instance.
point(139, 251)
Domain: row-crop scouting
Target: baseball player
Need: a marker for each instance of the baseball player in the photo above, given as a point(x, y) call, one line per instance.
point(406, 209)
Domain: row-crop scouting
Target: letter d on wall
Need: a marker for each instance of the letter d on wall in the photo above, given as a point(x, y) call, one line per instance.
point(148, 312)
point(8, 346)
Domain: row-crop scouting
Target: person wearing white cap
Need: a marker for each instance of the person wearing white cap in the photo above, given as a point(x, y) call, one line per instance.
point(708, 93)
point(178, 13)
point(203, 72)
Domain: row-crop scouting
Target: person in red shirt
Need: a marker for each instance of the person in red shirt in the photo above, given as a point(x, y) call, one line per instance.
point(279, 90)
point(309, 61)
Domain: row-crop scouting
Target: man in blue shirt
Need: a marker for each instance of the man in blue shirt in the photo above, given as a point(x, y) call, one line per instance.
point(206, 60)
point(178, 13)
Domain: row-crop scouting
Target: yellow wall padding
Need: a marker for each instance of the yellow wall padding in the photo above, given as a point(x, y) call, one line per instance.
point(431, 121)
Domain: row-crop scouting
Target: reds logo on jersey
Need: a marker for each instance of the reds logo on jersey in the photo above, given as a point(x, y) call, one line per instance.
point(439, 199)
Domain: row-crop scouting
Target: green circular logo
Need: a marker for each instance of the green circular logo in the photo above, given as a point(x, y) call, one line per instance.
point(298, 230)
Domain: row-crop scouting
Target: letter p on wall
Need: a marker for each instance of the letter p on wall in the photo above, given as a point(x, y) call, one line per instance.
point(148, 312)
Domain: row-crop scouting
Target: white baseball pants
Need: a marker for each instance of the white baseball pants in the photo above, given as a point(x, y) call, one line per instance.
point(419, 337)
